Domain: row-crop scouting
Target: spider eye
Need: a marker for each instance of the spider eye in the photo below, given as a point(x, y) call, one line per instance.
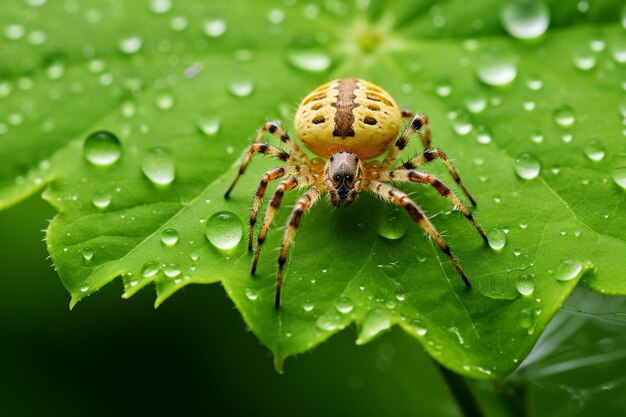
point(349, 177)
point(337, 177)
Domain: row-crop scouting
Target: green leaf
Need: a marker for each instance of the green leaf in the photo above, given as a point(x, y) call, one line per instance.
point(157, 80)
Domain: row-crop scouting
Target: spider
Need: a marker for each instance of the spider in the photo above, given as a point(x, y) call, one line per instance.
point(346, 122)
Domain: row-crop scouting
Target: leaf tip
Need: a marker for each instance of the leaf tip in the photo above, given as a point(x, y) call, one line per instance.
point(279, 361)
point(73, 301)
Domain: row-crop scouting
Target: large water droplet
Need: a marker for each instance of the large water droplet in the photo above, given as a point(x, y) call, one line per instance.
point(390, 227)
point(496, 67)
point(619, 176)
point(87, 253)
point(344, 305)
point(497, 239)
point(310, 60)
point(527, 166)
point(158, 166)
point(150, 269)
point(568, 270)
point(564, 116)
point(102, 148)
point(224, 230)
point(330, 322)
point(208, 122)
point(214, 28)
point(376, 322)
point(169, 237)
point(130, 45)
point(525, 19)
point(594, 150)
point(525, 285)
point(101, 199)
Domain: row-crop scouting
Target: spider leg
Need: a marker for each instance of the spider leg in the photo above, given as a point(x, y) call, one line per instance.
point(286, 185)
point(416, 123)
point(258, 147)
point(304, 203)
point(399, 198)
point(407, 114)
point(440, 186)
point(270, 175)
point(275, 129)
point(430, 154)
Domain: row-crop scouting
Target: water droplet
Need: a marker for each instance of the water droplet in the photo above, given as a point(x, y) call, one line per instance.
point(160, 6)
point(179, 23)
point(527, 320)
point(497, 239)
point(158, 166)
point(208, 122)
point(169, 237)
point(536, 137)
point(310, 60)
point(102, 148)
point(55, 70)
point(443, 90)
point(214, 28)
point(224, 230)
point(568, 270)
point(84, 288)
point(101, 199)
point(534, 84)
point(584, 59)
point(476, 104)
point(564, 116)
point(171, 270)
point(150, 269)
point(618, 50)
point(344, 305)
point(376, 322)
point(14, 31)
point(241, 87)
point(418, 326)
point(390, 227)
point(330, 322)
point(130, 45)
point(527, 166)
point(393, 269)
point(308, 306)
point(87, 254)
point(619, 176)
point(525, 19)
point(496, 67)
point(165, 101)
point(400, 296)
point(251, 294)
point(594, 150)
point(525, 285)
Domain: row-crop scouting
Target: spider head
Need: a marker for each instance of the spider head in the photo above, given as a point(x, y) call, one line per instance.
point(343, 175)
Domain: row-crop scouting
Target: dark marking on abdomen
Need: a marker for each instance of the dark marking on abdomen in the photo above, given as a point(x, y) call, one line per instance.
point(344, 118)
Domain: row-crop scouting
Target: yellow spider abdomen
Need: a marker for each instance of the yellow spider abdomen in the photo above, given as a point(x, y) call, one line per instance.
point(349, 114)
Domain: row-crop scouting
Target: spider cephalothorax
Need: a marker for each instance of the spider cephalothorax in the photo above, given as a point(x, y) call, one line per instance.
point(348, 121)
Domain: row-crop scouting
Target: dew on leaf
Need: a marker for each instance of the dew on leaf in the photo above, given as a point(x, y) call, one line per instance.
point(420, 256)
point(309, 60)
point(165, 101)
point(150, 269)
point(330, 322)
point(527, 166)
point(534, 84)
point(584, 59)
point(344, 305)
point(101, 199)
point(84, 288)
point(214, 28)
point(14, 31)
point(443, 90)
point(55, 70)
point(241, 87)
point(525, 285)
point(390, 227)
point(171, 270)
point(568, 270)
point(594, 150)
point(497, 239)
point(208, 122)
point(564, 116)
point(251, 294)
point(87, 253)
point(476, 104)
point(169, 237)
point(619, 176)
point(158, 166)
point(308, 306)
point(130, 45)
point(618, 50)
point(525, 19)
point(37, 37)
point(418, 326)
point(376, 322)
point(496, 67)
point(179, 23)
point(102, 148)
point(224, 230)
point(276, 16)
point(160, 6)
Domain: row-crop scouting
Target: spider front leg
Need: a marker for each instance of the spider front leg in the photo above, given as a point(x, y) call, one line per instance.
point(303, 204)
point(437, 184)
point(399, 198)
point(275, 129)
point(417, 122)
point(430, 154)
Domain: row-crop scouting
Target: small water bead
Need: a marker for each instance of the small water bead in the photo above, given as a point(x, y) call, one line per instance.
point(150, 269)
point(214, 28)
point(443, 90)
point(224, 230)
point(564, 116)
point(102, 148)
point(497, 239)
point(619, 176)
point(536, 137)
point(525, 19)
point(618, 50)
point(393, 269)
point(567, 138)
point(241, 87)
point(476, 104)
point(169, 237)
point(158, 166)
point(584, 59)
point(165, 101)
point(390, 227)
point(84, 288)
point(101, 200)
point(179, 23)
point(400, 296)
point(251, 294)
point(420, 256)
point(5, 89)
point(496, 67)
point(14, 31)
point(37, 37)
point(55, 70)
point(330, 322)
point(418, 326)
point(310, 60)
point(344, 305)
point(527, 166)
point(276, 16)
point(534, 84)
point(160, 6)
point(525, 285)
point(130, 45)
point(171, 270)
point(529, 105)
point(208, 122)
point(568, 270)
point(87, 254)
point(376, 322)
point(308, 306)
point(594, 150)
